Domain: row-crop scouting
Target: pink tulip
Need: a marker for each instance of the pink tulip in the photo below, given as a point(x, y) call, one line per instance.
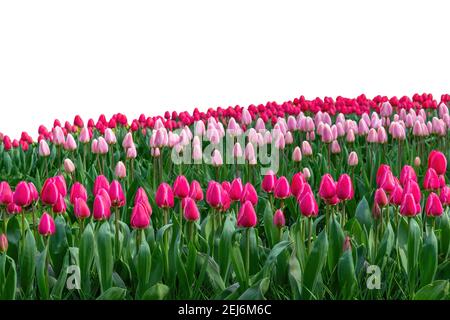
point(214, 194)
point(181, 187)
point(77, 191)
point(306, 149)
point(164, 197)
point(278, 219)
point(3, 243)
point(60, 205)
point(49, 192)
point(190, 210)
point(46, 225)
point(22, 195)
point(282, 188)
point(247, 216)
point(268, 182)
point(396, 196)
point(140, 219)
point(101, 182)
point(116, 194)
point(308, 205)
point(381, 198)
point(195, 190)
point(431, 180)
point(409, 207)
point(81, 209)
point(110, 137)
point(335, 147)
point(352, 159)
point(70, 143)
point(344, 187)
point(44, 150)
point(433, 206)
point(297, 154)
point(101, 209)
point(69, 166)
point(327, 188)
point(6, 195)
point(84, 136)
point(120, 171)
point(437, 161)
point(142, 198)
point(249, 194)
point(236, 189)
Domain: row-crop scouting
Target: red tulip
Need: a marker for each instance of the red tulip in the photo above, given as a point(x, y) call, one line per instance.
point(282, 189)
point(181, 187)
point(381, 198)
point(6, 195)
point(116, 194)
point(409, 206)
point(278, 219)
point(101, 182)
point(268, 182)
point(433, 207)
point(249, 193)
point(164, 196)
point(49, 192)
point(308, 205)
point(247, 216)
point(195, 190)
point(101, 209)
point(140, 219)
point(297, 183)
point(437, 161)
point(327, 188)
point(236, 189)
point(226, 186)
point(22, 195)
point(60, 205)
point(77, 191)
point(81, 209)
point(214, 194)
point(46, 225)
point(190, 210)
point(344, 188)
point(431, 180)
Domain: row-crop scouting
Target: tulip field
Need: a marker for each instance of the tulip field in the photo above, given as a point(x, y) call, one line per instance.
point(323, 199)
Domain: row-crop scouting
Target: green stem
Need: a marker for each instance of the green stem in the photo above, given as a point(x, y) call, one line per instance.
point(247, 256)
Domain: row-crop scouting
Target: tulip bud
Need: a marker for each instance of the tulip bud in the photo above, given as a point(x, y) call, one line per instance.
point(60, 205)
point(308, 205)
point(3, 243)
point(81, 209)
point(282, 188)
point(140, 219)
point(22, 196)
point(236, 189)
point(6, 195)
point(120, 170)
point(70, 143)
point(116, 194)
point(433, 206)
point(278, 219)
point(214, 194)
point(69, 166)
point(249, 194)
point(327, 188)
point(247, 216)
point(101, 208)
point(49, 192)
point(181, 187)
point(437, 161)
point(352, 159)
point(417, 162)
point(190, 210)
point(409, 206)
point(344, 187)
point(306, 149)
point(164, 197)
point(347, 244)
point(46, 225)
point(268, 182)
point(84, 136)
point(77, 191)
point(297, 155)
point(195, 191)
point(44, 150)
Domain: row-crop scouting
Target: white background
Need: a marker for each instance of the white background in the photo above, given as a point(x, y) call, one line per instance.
point(59, 58)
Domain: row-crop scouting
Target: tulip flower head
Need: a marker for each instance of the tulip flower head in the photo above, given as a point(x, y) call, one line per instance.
point(46, 225)
point(116, 194)
point(278, 219)
point(164, 197)
point(247, 216)
point(3, 243)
